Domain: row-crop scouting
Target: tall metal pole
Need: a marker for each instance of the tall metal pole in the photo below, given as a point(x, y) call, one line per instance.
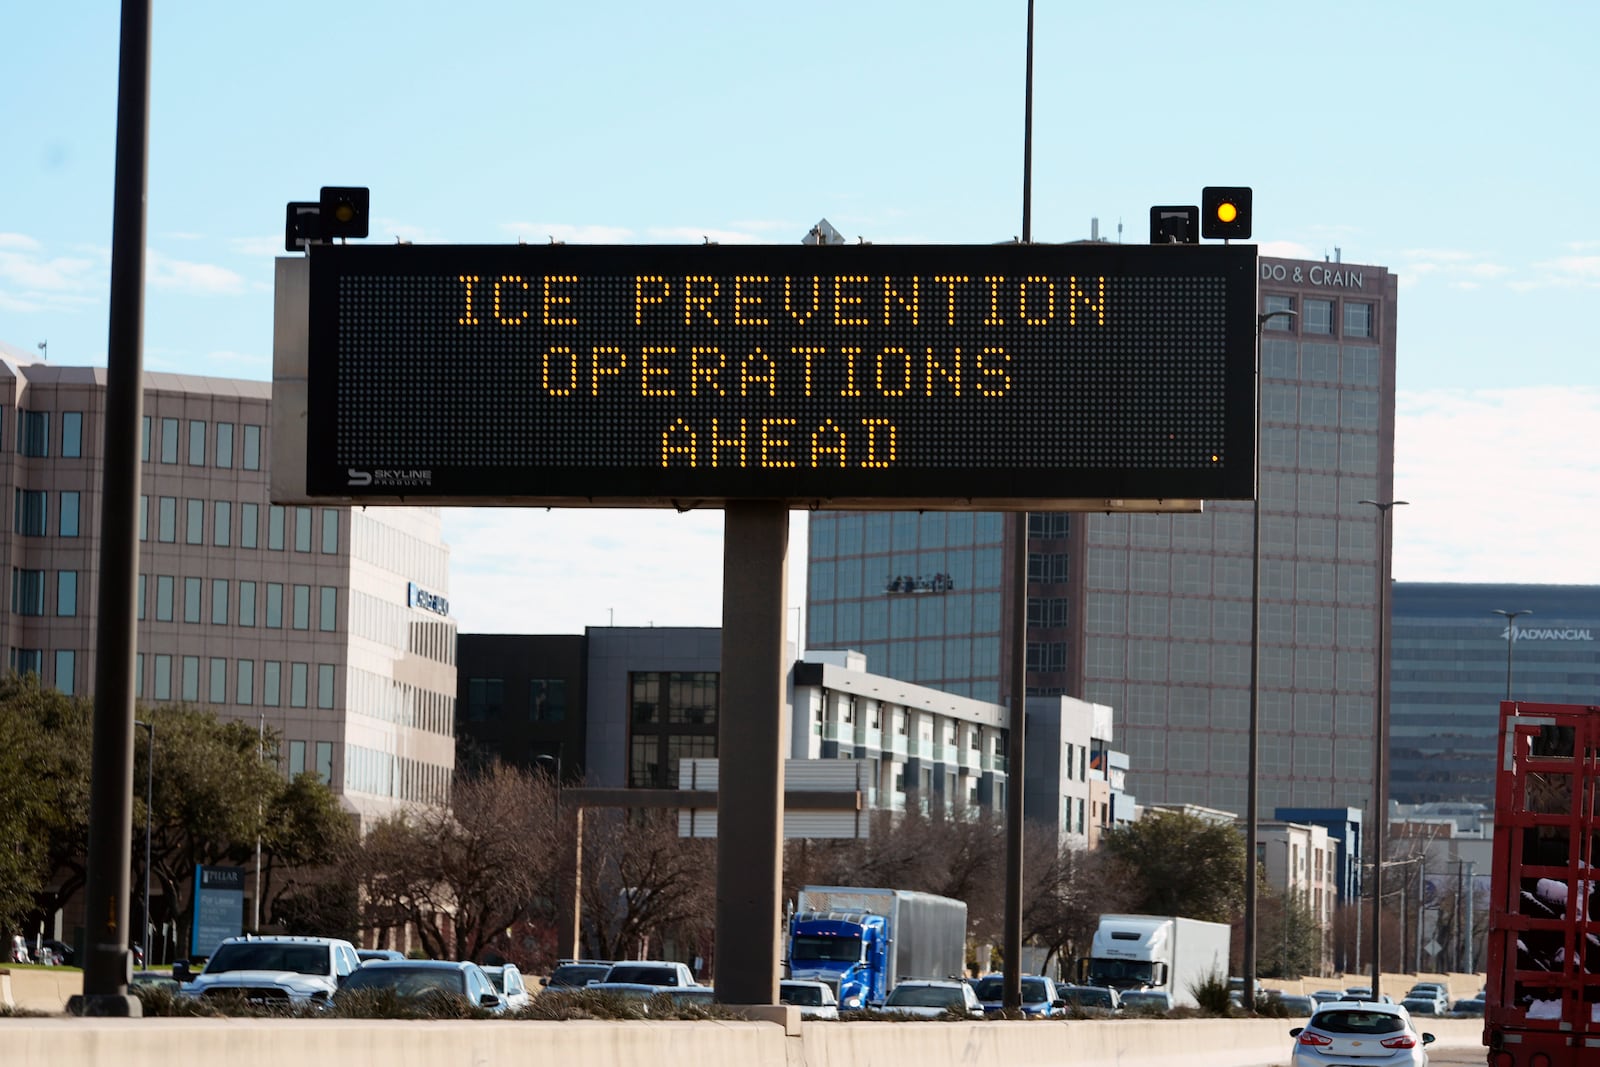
point(105, 972)
point(1511, 639)
point(261, 735)
point(149, 803)
point(1016, 749)
point(1380, 737)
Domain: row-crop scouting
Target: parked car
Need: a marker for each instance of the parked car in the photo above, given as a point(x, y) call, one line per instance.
point(930, 998)
point(1147, 1001)
point(1039, 997)
point(278, 971)
point(1421, 1005)
point(60, 952)
point(575, 974)
point(1439, 994)
point(1323, 996)
point(1295, 1004)
point(662, 973)
point(422, 979)
point(1092, 997)
point(1346, 1029)
point(1364, 993)
point(1468, 1006)
point(507, 979)
point(369, 954)
point(155, 980)
point(814, 999)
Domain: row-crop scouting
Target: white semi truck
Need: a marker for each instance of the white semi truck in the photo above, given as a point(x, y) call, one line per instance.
point(1161, 952)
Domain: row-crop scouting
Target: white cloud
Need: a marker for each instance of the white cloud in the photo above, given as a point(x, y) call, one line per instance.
point(699, 234)
point(163, 272)
point(541, 232)
point(1504, 485)
point(18, 240)
point(529, 570)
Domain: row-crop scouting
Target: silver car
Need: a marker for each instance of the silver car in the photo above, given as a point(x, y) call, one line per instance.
point(1373, 1034)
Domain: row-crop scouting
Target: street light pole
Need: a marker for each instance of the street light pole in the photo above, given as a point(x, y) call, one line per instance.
point(149, 797)
point(1511, 639)
point(1253, 757)
point(1380, 801)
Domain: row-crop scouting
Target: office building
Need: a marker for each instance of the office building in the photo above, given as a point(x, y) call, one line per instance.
point(641, 703)
point(1454, 659)
point(1151, 614)
point(327, 625)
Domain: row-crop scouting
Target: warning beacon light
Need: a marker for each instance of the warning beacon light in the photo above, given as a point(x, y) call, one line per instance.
point(1225, 212)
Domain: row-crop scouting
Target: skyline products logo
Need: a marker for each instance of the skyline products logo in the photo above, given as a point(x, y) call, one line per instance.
point(388, 478)
point(1540, 633)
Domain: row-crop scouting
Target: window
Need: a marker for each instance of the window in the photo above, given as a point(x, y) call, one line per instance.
point(31, 511)
point(1318, 317)
point(163, 689)
point(548, 701)
point(27, 592)
point(144, 441)
point(252, 448)
point(297, 758)
point(221, 522)
point(1357, 319)
point(274, 606)
point(302, 607)
point(164, 590)
point(249, 525)
point(244, 671)
point(673, 716)
point(67, 523)
point(71, 436)
point(298, 679)
point(169, 440)
point(484, 699)
point(191, 679)
point(219, 601)
point(275, 527)
point(167, 519)
point(324, 685)
point(194, 527)
point(271, 682)
point(247, 603)
point(33, 433)
point(66, 671)
point(66, 593)
point(328, 610)
point(302, 529)
point(218, 678)
point(325, 762)
point(191, 600)
point(330, 531)
point(197, 443)
point(138, 600)
point(27, 660)
point(144, 517)
point(1277, 302)
point(225, 444)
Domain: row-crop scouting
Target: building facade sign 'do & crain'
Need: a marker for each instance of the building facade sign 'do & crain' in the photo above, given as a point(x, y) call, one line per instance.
point(861, 376)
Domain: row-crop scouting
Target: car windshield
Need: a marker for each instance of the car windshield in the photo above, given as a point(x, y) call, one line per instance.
point(993, 987)
point(841, 949)
point(578, 974)
point(409, 981)
point(270, 956)
point(1143, 997)
point(1358, 1022)
point(643, 974)
point(809, 996)
point(923, 996)
point(498, 977)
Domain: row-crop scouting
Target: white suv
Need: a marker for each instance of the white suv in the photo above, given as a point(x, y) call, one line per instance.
point(277, 971)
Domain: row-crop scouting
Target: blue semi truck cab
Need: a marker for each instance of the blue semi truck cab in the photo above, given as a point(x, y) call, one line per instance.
point(861, 941)
point(849, 950)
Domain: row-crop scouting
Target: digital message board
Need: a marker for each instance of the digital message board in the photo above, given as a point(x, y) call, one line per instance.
point(872, 376)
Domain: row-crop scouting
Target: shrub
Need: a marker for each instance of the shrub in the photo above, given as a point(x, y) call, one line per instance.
point(1211, 993)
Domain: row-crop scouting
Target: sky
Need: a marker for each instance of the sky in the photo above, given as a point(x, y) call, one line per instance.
point(1448, 141)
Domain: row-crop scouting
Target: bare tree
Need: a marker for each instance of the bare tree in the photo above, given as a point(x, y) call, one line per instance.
point(643, 884)
point(462, 876)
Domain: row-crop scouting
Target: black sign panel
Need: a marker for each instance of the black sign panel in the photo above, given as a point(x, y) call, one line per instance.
point(861, 376)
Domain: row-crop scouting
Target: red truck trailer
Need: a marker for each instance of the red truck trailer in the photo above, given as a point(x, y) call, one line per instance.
point(1543, 1006)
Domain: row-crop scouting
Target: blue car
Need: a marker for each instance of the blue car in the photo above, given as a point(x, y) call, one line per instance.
point(1039, 998)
